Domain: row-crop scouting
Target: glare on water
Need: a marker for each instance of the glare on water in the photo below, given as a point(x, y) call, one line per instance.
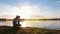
point(38, 24)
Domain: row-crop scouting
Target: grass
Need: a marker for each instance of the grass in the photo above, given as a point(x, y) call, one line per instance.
point(27, 30)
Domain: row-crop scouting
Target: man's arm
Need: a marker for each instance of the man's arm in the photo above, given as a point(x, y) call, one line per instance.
point(22, 20)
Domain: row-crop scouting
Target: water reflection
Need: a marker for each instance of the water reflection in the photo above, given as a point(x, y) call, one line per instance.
point(40, 24)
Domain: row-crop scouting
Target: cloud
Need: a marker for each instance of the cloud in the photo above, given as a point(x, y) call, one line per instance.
point(58, 1)
point(8, 10)
point(46, 7)
point(28, 9)
point(25, 10)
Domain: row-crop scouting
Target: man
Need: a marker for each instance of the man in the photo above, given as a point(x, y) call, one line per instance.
point(16, 21)
point(16, 24)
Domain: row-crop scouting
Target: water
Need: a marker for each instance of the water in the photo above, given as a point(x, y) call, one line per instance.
point(39, 24)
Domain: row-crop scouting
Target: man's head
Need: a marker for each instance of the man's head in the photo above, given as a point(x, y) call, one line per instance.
point(17, 17)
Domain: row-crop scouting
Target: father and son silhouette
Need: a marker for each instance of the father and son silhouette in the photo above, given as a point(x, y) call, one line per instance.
point(16, 26)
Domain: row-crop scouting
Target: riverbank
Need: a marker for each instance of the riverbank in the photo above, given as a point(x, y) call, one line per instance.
point(28, 30)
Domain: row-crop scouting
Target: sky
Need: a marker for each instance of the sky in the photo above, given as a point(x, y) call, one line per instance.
point(30, 8)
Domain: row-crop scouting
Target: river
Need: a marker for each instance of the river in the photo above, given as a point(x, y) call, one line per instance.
point(50, 24)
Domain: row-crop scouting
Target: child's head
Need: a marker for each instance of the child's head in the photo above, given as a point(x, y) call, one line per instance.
point(17, 17)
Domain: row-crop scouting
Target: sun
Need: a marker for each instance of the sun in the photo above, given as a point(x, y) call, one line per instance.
point(25, 11)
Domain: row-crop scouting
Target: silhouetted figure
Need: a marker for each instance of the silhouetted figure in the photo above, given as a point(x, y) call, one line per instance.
point(16, 24)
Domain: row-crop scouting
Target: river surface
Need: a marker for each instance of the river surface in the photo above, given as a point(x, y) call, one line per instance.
point(52, 24)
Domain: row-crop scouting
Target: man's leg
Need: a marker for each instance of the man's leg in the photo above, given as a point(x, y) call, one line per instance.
point(14, 30)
